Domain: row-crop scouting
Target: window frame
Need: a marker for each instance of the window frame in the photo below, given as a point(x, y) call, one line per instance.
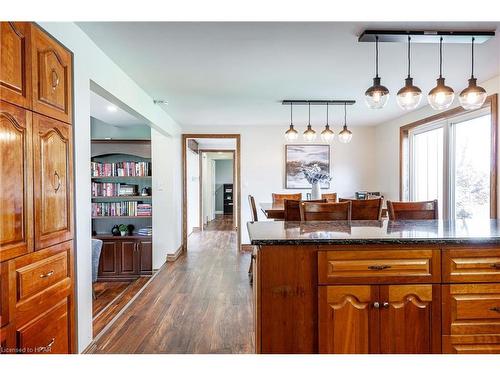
point(446, 120)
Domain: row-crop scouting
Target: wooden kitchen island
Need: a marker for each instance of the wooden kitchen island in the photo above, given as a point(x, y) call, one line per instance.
point(377, 286)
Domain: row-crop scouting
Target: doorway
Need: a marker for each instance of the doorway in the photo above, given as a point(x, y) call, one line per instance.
point(211, 184)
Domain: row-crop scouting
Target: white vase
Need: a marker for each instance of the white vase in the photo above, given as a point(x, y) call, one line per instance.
point(315, 191)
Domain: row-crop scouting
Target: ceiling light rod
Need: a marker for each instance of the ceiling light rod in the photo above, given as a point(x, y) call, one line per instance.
point(423, 36)
point(317, 102)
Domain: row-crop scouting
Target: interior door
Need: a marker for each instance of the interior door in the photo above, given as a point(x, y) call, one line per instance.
point(408, 323)
point(53, 188)
point(348, 319)
point(16, 237)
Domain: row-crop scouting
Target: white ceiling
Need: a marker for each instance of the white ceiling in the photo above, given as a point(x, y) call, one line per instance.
point(216, 143)
point(237, 73)
point(100, 109)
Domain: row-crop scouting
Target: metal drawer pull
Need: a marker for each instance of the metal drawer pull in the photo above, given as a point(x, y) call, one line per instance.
point(379, 267)
point(495, 309)
point(385, 305)
point(47, 347)
point(48, 274)
point(496, 265)
point(376, 305)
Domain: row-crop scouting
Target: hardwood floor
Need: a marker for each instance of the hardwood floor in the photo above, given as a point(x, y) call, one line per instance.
point(115, 305)
point(221, 222)
point(201, 303)
point(105, 293)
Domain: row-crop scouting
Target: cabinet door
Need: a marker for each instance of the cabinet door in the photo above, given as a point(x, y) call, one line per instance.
point(128, 259)
point(15, 63)
point(52, 75)
point(348, 319)
point(410, 319)
point(53, 185)
point(108, 262)
point(16, 237)
point(145, 249)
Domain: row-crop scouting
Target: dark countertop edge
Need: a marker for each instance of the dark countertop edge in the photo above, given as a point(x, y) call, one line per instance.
point(375, 241)
point(111, 237)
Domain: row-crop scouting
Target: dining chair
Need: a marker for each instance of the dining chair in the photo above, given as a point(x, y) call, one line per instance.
point(292, 208)
point(330, 197)
point(96, 254)
point(365, 209)
point(282, 197)
point(427, 210)
point(253, 208)
point(325, 211)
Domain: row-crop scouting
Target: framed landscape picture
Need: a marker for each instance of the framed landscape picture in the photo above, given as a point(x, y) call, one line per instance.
point(298, 156)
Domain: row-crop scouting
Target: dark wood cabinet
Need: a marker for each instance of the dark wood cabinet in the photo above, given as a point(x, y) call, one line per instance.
point(51, 77)
point(124, 258)
point(16, 174)
point(36, 190)
point(15, 63)
point(52, 181)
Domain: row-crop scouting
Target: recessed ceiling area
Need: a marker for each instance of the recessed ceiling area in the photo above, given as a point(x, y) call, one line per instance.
point(104, 110)
point(237, 73)
point(216, 143)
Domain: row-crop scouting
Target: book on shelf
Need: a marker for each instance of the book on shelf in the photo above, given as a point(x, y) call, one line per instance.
point(126, 208)
point(121, 169)
point(147, 231)
point(112, 189)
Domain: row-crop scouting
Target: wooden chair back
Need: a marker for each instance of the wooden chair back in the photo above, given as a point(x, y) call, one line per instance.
point(325, 211)
point(292, 209)
point(282, 197)
point(330, 197)
point(253, 208)
point(427, 210)
point(365, 209)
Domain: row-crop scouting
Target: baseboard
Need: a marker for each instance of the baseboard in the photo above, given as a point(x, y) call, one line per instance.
point(246, 247)
point(196, 229)
point(173, 257)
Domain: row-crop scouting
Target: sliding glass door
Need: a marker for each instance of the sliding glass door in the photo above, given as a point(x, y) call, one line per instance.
point(451, 161)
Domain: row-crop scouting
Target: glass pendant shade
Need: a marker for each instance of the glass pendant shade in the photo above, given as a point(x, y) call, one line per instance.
point(441, 96)
point(309, 134)
point(376, 96)
point(409, 96)
point(473, 97)
point(345, 135)
point(291, 134)
point(327, 135)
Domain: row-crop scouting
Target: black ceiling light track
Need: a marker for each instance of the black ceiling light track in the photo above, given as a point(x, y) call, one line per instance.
point(317, 102)
point(425, 36)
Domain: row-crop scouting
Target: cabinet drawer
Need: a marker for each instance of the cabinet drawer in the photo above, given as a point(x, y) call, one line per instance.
point(471, 309)
point(471, 344)
point(42, 274)
point(470, 265)
point(380, 266)
point(47, 333)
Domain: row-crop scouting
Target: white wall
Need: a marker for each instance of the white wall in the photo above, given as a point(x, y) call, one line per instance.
point(91, 64)
point(193, 190)
point(263, 164)
point(387, 143)
point(223, 175)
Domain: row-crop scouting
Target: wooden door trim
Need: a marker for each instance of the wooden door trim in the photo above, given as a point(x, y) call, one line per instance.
point(237, 176)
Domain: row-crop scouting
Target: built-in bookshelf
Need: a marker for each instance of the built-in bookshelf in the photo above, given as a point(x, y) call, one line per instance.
point(121, 185)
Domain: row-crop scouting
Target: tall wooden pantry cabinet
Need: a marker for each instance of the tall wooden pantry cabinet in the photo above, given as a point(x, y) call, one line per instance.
point(37, 305)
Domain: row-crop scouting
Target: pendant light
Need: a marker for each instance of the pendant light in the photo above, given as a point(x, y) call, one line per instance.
point(473, 96)
point(291, 134)
point(309, 134)
point(345, 135)
point(327, 135)
point(376, 96)
point(441, 96)
point(409, 96)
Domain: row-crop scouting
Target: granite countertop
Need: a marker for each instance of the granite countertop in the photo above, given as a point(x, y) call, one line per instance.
point(374, 232)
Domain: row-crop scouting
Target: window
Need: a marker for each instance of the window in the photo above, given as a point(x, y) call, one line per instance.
point(451, 157)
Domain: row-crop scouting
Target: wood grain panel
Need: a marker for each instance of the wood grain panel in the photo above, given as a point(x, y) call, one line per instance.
point(378, 266)
point(16, 176)
point(145, 250)
point(128, 258)
point(51, 77)
point(471, 265)
point(53, 186)
point(471, 344)
point(409, 319)
point(15, 63)
point(289, 301)
point(348, 322)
